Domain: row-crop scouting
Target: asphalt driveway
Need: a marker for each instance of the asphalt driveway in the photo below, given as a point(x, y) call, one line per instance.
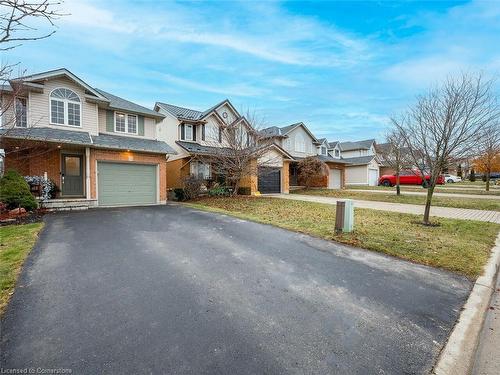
point(173, 290)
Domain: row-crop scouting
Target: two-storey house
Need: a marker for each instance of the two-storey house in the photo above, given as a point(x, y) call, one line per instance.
point(198, 138)
point(364, 166)
point(300, 142)
point(98, 148)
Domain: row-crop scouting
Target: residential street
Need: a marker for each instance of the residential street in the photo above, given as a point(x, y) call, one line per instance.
point(168, 289)
point(446, 212)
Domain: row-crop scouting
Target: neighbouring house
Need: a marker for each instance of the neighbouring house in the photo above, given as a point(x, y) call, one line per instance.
point(363, 166)
point(98, 148)
point(299, 142)
point(197, 139)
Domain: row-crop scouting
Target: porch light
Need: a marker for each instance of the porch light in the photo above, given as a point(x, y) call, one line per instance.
point(59, 146)
point(128, 150)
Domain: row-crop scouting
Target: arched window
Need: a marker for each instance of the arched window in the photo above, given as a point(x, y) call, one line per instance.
point(300, 144)
point(64, 107)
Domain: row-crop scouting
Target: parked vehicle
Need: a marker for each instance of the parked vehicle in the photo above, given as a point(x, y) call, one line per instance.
point(409, 178)
point(449, 178)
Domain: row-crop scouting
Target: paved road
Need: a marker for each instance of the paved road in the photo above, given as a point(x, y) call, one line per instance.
point(447, 212)
point(488, 354)
point(423, 193)
point(169, 289)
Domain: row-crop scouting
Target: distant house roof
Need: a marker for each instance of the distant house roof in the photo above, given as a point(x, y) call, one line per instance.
point(357, 145)
point(48, 135)
point(277, 131)
point(329, 159)
point(115, 102)
point(119, 142)
point(360, 160)
point(183, 113)
point(333, 144)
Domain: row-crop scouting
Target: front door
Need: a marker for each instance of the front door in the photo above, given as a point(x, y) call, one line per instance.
point(72, 175)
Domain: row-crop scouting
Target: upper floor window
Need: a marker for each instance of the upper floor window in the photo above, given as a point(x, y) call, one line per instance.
point(300, 144)
point(21, 113)
point(337, 152)
point(188, 132)
point(323, 150)
point(65, 107)
point(125, 123)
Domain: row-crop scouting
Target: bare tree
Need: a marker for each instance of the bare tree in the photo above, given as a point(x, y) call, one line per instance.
point(237, 148)
point(444, 125)
point(18, 24)
point(395, 154)
point(489, 151)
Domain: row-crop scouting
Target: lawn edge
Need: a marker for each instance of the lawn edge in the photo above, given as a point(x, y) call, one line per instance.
point(458, 355)
point(20, 271)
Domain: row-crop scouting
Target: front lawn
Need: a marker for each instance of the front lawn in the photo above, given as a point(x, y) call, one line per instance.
point(456, 245)
point(458, 202)
point(438, 189)
point(16, 241)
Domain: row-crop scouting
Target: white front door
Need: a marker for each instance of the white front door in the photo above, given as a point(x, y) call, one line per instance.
point(372, 177)
point(334, 179)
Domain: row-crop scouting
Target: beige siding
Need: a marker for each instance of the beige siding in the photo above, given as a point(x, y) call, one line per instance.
point(38, 107)
point(149, 126)
point(168, 131)
point(271, 158)
point(290, 143)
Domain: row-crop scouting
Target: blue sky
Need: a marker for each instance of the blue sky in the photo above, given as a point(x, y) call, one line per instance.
point(340, 67)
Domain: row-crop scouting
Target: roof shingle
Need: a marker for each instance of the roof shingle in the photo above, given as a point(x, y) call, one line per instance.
point(116, 102)
point(119, 142)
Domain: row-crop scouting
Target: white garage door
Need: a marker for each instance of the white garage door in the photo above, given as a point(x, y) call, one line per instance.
point(373, 177)
point(122, 184)
point(334, 179)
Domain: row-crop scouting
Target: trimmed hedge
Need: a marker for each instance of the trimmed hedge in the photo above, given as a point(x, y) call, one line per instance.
point(15, 192)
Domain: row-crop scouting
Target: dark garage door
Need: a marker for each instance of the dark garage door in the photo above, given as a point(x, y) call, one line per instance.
point(269, 180)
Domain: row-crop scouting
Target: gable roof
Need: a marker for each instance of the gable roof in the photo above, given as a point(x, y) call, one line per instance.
point(360, 160)
point(115, 102)
point(281, 131)
point(183, 113)
point(357, 145)
point(333, 144)
point(61, 72)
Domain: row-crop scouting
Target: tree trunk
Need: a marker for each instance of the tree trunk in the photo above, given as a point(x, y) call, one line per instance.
point(398, 187)
point(428, 201)
point(488, 180)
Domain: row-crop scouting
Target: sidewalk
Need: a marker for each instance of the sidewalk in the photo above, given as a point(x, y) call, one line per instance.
point(488, 352)
point(437, 194)
point(446, 212)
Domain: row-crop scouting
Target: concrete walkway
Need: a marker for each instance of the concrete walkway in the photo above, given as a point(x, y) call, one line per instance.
point(487, 357)
point(446, 212)
point(423, 193)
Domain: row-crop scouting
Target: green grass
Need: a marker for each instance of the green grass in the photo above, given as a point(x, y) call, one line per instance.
point(439, 189)
point(478, 204)
point(16, 241)
point(456, 245)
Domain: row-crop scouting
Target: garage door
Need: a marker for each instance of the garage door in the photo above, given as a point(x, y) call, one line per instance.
point(126, 184)
point(334, 179)
point(372, 177)
point(269, 180)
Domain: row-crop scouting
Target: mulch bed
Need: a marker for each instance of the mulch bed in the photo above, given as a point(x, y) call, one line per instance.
point(24, 218)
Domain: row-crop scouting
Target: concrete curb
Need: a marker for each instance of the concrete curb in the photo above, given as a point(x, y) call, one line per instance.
point(457, 357)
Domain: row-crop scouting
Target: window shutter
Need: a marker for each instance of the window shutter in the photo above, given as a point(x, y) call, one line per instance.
point(194, 132)
point(182, 132)
point(140, 125)
point(110, 121)
point(203, 132)
point(220, 135)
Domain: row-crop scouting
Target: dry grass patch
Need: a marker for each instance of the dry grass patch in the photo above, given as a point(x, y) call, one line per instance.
point(456, 245)
point(16, 241)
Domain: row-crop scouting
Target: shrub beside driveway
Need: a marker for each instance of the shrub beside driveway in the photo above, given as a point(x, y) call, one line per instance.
point(16, 241)
point(437, 201)
point(456, 245)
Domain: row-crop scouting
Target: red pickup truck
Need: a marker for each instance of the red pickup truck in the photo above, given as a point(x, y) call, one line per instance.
point(408, 178)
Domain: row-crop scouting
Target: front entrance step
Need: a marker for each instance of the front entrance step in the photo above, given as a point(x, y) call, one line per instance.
point(296, 187)
point(68, 204)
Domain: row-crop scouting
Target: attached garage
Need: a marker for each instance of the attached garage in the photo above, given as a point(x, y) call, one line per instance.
point(269, 180)
point(121, 184)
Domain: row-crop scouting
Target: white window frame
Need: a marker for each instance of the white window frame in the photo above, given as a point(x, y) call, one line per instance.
point(190, 126)
point(195, 169)
point(126, 123)
point(336, 153)
point(15, 111)
point(66, 109)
